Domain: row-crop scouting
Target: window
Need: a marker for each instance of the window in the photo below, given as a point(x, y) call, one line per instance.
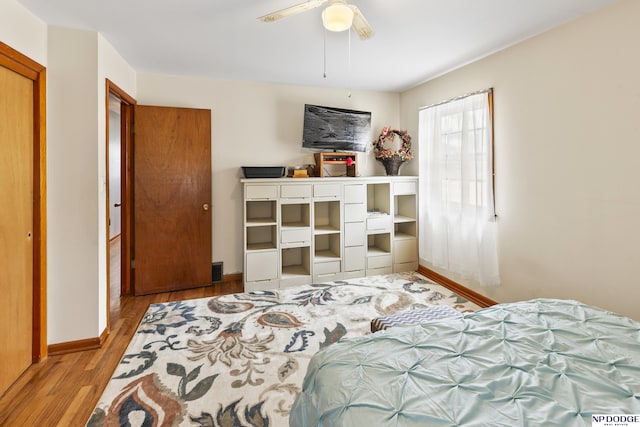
point(457, 224)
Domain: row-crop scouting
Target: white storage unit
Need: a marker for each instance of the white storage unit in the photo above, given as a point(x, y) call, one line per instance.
point(303, 230)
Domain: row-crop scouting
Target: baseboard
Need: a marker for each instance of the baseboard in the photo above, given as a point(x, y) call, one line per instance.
point(459, 289)
point(235, 277)
point(80, 345)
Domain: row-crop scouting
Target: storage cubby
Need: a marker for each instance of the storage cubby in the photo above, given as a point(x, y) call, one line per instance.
point(379, 198)
point(326, 217)
point(405, 208)
point(327, 247)
point(260, 212)
point(378, 244)
point(296, 262)
point(295, 215)
point(261, 237)
point(405, 230)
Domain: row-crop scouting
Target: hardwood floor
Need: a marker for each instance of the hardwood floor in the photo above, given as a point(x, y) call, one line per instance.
point(63, 390)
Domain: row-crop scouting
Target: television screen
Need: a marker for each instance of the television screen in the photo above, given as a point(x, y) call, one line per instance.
point(336, 129)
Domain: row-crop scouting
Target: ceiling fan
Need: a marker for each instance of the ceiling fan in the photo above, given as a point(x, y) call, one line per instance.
point(338, 16)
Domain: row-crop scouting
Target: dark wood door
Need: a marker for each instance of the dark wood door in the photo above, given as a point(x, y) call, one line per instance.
point(171, 199)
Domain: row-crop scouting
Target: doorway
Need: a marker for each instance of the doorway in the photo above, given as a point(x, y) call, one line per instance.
point(119, 112)
point(114, 196)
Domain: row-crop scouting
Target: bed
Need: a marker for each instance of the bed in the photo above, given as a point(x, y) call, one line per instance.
point(535, 363)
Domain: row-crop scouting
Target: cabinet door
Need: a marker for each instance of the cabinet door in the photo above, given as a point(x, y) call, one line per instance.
point(410, 187)
point(379, 261)
point(295, 191)
point(405, 251)
point(354, 193)
point(354, 212)
point(379, 223)
point(294, 236)
point(261, 266)
point(355, 258)
point(354, 234)
point(326, 190)
point(321, 268)
point(261, 192)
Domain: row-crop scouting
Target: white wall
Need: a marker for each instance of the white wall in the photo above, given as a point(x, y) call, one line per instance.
point(23, 31)
point(567, 139)
point(256, 124)
point(79, 62)
point(72, 186)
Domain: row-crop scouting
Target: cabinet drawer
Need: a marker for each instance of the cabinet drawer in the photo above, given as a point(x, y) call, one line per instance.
point(261, 192)
point(326, 267)
point(405, 188)
point(354, 234)
point(405, 251)
point(382, 223)
point(261, 285)
point(326, 190)
point(301, 235)
point(354, 193)
point(295, 191)
point(354, 212)
point(379, 261)
point(295, 281)
point(353, 274)
point(355, 258)
point(376, 271)
point(405, 266)
point(261, 266)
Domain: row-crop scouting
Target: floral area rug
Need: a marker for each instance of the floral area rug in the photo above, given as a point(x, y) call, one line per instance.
point(239, 360)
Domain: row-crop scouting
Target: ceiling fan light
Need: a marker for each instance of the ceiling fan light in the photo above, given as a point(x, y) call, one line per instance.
point(337, 17)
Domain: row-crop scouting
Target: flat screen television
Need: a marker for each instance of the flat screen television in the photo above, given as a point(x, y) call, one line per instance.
point(336, 129)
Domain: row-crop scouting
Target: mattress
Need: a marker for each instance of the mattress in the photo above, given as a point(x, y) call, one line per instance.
point(535, 363)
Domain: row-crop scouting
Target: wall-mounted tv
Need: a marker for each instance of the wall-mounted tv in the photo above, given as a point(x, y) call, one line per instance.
point(336, 129)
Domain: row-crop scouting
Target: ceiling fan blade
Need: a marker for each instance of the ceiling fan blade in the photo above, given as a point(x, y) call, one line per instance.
point(293, 10)
point(360, 23)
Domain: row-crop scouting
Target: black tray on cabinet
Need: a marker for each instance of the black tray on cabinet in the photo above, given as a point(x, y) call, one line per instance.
point(263, 171)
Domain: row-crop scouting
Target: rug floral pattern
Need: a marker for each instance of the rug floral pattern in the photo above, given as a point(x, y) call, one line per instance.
point(239, 360)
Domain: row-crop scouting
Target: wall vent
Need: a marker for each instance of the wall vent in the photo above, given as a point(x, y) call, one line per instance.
point(217, 275)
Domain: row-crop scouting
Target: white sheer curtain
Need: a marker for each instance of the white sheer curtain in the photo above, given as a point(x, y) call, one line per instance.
point(457, 220)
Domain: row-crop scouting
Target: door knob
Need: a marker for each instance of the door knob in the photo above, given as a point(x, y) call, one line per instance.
point(205, 207)
point(117, 205)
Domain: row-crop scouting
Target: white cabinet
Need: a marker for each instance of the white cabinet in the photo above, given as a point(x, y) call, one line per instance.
point(298, 231)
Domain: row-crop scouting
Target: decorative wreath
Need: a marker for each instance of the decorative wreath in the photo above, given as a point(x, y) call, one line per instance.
point(388, 134)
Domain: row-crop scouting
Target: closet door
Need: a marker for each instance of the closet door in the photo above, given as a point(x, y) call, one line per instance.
point(16, 224)
point(172, 199)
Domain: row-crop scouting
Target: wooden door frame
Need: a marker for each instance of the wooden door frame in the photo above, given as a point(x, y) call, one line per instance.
point(26, 67)
point(126, 119)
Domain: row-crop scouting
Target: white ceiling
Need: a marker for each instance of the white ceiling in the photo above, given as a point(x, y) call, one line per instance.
point(414, 39)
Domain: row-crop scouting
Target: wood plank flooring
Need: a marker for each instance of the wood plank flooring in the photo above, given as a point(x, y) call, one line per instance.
point(63, 390)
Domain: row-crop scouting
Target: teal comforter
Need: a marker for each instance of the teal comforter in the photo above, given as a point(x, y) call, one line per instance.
point(534, 363)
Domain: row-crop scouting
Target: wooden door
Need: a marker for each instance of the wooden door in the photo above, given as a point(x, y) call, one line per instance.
point(172, 199)
point(16, 225)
